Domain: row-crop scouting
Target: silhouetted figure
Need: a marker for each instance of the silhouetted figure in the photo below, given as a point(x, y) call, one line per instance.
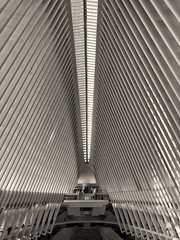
point(9, 230)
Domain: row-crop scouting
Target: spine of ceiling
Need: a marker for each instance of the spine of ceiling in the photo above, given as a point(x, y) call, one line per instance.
point(38, 122)
point(136, 149)
point(84, 16)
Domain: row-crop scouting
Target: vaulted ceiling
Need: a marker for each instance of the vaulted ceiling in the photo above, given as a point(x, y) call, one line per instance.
point(91, 88)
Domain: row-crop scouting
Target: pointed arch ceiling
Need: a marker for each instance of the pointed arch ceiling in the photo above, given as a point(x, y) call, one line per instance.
point(95, 81)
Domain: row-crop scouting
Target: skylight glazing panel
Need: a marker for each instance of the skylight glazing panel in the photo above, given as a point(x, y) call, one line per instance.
point(84, 16)
point(92, 7)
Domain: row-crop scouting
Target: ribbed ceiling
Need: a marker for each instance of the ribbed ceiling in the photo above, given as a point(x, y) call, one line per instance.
point(136, 142)
point(39, 143)
point(95, 81)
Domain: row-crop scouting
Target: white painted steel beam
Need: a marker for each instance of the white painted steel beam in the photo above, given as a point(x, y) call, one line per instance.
point(41, 143)
point(135, 147)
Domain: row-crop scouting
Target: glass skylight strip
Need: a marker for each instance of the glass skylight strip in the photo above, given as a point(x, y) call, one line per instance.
point(92, 7)
point(85, 19)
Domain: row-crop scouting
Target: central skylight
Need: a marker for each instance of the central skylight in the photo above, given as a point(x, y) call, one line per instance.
point(84, 17)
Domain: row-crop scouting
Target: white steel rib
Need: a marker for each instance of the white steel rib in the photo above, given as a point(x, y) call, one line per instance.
point(94, 81)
